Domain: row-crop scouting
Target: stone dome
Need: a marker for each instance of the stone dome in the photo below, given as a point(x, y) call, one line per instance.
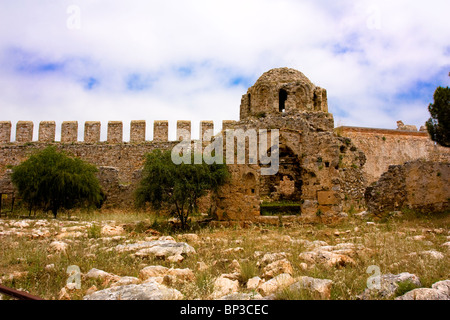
point(282, 90)
point(282, 75)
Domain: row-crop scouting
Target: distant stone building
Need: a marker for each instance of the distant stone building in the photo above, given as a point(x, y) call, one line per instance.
point(322, 169)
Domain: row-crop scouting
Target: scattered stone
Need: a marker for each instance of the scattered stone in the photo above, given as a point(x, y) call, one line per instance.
point(112, 230)
point(241, 296)
point(146, 291)
point(320, 287)
point(432, 254)
point(50, 267)
point(362, 215)
point(65, 292)
point(388, 285)
point(327, 258)
point(269, 258)
point(178, 258)
point(153, 271)
point(58, 247)
point(91, 290)
point(21, 224)
point(224, 286)
point(277, 267)
point(235, 267)
point(190, 237)
point(254, 283)
point(166, 238)
point(174, 276)
point(303, 266)
point(72, 234)
point(165, 275)
point(234, 250)
point(123, 281)
point(100, 275)
point(439, 291)
point(275, 284)
point(447, 244)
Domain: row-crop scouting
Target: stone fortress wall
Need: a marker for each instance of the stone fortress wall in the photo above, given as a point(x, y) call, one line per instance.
point(386, 147)
point(325, 169)
point(119, 162)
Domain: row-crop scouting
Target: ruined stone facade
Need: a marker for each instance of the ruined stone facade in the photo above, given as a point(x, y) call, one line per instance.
point(322, 169)
point(422, 186)
point(384, 147)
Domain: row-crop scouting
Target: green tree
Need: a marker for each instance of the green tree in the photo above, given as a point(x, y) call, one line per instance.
point(51, 180)
point(177, 186)
point(438, 125)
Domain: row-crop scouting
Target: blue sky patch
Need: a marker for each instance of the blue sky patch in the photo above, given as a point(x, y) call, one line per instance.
point(91, 83)
point(241, 81)
point(138, 82)
point(33, 64)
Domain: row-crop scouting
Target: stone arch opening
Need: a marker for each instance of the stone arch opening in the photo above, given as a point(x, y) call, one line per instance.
point(287, 184)
point(250, 183)
point(282, 100)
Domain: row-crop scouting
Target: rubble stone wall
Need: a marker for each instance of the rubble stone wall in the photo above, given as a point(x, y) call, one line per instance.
point(422, 186)
point(384, 147)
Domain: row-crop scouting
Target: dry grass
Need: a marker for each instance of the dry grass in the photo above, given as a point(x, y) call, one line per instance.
point(390, 247)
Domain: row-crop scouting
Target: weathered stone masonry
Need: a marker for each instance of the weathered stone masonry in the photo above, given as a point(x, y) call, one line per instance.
point(323, 169)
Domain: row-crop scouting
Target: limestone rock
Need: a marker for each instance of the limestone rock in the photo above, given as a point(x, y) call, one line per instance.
point(153, 271)
point(224, 286)
point(165, 275)
point(100, 275)
point(174, 276)
point(164, 249)
point(276, 268)
point(439, 291)
point(190, 237)
point(432, 254)
point(389, 284)
point(327, 258)
point(123, 281)
point(278, 283)
point(253, 283)
point(112, 230)
point(58, 247)
point(271, 257)
point(446, 245)
point(321, 287)
point(146, 291)
point(176, 258)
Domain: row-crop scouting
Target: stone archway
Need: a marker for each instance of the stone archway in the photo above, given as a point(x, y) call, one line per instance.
point(249, 183)
point(287, 184)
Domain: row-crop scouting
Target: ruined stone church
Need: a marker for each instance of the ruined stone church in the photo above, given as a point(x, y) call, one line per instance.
point(323, 170)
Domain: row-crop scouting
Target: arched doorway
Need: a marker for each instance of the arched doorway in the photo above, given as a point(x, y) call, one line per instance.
point(287, 184)
point(249, 183)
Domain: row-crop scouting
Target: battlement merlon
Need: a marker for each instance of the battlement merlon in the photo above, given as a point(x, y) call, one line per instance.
point(92, 131)
point(5, 131)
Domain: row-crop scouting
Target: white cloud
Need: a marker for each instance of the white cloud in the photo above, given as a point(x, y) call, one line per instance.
point(371, 56)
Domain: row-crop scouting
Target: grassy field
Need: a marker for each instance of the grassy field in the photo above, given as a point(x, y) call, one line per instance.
point(390, 244)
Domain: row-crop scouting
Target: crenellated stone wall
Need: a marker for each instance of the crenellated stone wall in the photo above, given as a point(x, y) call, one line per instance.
point(321, 169)
point(119, 162)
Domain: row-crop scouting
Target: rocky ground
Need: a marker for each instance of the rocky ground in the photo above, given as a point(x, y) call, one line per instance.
point(114, 259)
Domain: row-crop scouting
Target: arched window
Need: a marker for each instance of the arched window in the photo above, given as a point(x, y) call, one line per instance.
point(250, 183)
point(283, 97)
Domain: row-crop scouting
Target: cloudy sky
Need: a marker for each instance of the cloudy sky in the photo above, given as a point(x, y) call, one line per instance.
point(102, 60)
